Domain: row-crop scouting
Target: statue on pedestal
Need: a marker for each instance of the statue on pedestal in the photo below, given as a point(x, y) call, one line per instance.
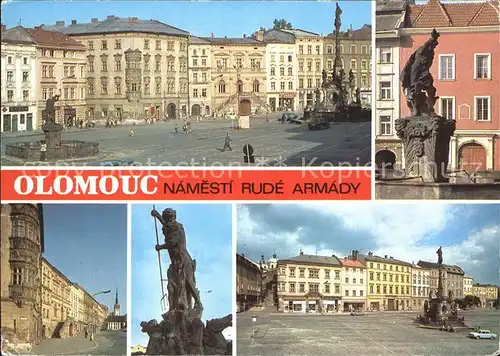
point(181, 332)
point(425, 135)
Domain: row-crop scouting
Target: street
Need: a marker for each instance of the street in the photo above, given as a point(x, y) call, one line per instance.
point(106, 343)
point(389, 333)
point(274, 144)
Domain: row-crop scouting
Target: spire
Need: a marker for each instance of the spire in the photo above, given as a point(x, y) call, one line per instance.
point(116, 300)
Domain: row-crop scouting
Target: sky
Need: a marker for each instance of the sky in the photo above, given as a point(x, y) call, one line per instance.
point(469, 234)
point(200, 18)
point(88, 244)
point(208, 229)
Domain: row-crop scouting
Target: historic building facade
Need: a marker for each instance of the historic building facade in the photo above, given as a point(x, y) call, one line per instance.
point(135, 68)
point(464, 76)
point(18, 81)
point(452, 278)
point(354, 283)
point(309, 283)
point(115, 321)
point(309, 49)
point(248, 283)
point(420, 287)
point(389, 282)
point(487, 294)
point(238, 75)
point(355, 54)
point(281, 69)
point(22, 244)
point(388, 147)
point(468, 282)
point(200, 72)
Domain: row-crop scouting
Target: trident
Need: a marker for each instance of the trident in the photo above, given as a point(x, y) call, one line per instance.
point(162, 300)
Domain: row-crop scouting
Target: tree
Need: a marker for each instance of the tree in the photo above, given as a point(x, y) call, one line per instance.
point(282, 24)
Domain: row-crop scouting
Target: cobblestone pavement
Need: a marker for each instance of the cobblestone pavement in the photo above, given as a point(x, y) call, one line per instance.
point(106, 343)
point(390, 333)
point(274, 144)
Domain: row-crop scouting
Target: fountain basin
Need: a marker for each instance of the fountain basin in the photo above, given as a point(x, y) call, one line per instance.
point(68, 149)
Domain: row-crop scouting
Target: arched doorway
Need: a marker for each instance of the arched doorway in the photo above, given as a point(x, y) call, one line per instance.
point(196, 110)
point(207, 110)
point(239, 86)
point(171, 111)
point(245, 107)
point(385, 159)
point(71, 331)
point(472, 157)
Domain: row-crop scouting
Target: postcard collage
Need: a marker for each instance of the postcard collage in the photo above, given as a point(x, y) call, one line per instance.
point(250, 177)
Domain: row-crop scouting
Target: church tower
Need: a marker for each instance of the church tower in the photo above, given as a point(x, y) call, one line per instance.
point(116, 308)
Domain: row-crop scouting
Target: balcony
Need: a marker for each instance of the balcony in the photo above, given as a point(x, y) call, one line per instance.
point(22, 294)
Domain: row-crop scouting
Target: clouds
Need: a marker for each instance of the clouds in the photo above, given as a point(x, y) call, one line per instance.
point(469, 234)
point(209, 240)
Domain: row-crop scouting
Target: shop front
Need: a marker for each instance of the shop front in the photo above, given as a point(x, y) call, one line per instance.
point(375, 304)
point(350, 305)
point(18, 118)
point(287, 101)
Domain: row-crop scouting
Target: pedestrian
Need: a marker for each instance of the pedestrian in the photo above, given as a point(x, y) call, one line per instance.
point(132, 133)
point(176, 128)
point(86, 332)
point(43, 151)
point(227, 143)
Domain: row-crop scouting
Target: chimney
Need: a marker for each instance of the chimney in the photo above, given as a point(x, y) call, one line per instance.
point(385, 256)
point(244, 36)
point(73, 22)
point(391, 258)
point(301, 253)
point(260, 35)
point(59, 23)
point(356, 255)
point(212, 35)
point(370, 253)
point(94, 20)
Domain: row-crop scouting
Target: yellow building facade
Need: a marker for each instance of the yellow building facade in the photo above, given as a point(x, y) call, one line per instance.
point(487, 293)
point(388, 283)
point(309, 283)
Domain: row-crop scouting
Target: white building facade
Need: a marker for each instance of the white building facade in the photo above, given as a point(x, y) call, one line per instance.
point(18, 81)
point(421, 287)
point(353, 286)
point(468, 283)
point(200, 86)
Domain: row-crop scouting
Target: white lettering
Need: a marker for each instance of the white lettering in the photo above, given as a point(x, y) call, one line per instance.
point(82, 185)
point(114, 185)
point(40, 182)
point(144, 185)
point(126, 186)
point(18, 185)
point(58, 185)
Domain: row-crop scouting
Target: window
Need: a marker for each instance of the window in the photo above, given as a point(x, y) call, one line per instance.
point(309, 49)
point(104, 66)
point(363, 64)
point(292, 271)
point(337, 274)
point(371, 276)
point(273, 71)
point(329, 64)
point(385, 129)
point(146, 44)
point(318, 49)
point(482, 108)
point(360, 293)
point(371, 288)
point(118, 44)
point(327, 288)
point(10, 95)
point(301, 49)
point(158, 45)
point(318, 82)
point(239, 62)
point(25, 77)
point(104, 45)
point(354, 280)
point(301, 83)
point(104, 88)
point(353, 49)
point(385, 55)
point(447, 66)
point(364, 81)
point(290, 85)
point(347, 279)
point(26, 95)
point(361, 281)
point(273, 86)
point(309, 82)
point(195, 93)
point(90, 45)
point(301, 66)
point(302, 288)
point(204, 93)
point(329, 49)
point(256, 86)
point(204, 77)
point(282, 85)
point(353, 64)
point(195, 77)
point(17, 276)
point(347, 292)
point(170, 45)
point(10, 76)
point(447, 108)
point(318, 66)
point(482, 65)
point(292, 287)
point(282, 71)
point(385, 90)
point(290, 71)
point(353, 293)
point(302, 272)
point(118, 65)
point(203, 62)
point(118, 88)
point(282, 58)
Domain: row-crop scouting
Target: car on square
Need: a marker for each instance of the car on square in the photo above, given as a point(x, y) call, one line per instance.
point(482, 334)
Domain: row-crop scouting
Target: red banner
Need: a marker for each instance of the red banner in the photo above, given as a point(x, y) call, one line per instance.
point(142, 184)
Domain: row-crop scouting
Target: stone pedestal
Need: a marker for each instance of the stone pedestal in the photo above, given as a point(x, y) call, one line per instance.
point(52, 134)
point(426, 144)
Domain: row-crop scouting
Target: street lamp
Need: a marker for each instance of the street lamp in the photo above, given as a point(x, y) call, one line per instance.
point(93, 309)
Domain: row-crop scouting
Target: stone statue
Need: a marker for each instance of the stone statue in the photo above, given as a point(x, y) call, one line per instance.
point(324, 76)
point(358, 96)
point(181, 332)
point(182, 266)
point(417, 80)
point(338, 22)
point(50, 110)
point(440, 256)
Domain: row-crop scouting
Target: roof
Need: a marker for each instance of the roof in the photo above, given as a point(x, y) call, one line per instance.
point(435, 14)
point(484, 285)
point(244, 259)
point(41, 38)
point(313, 260)
point(198, 41)
point(299, 32)
point(232, 40)
point(448, 268)
point(390, 5)
point(363, 33)
point(116, 318)
point(375, 258)
point(115, 24)
point(351, 263)
point(18, 35)
point(57, 271)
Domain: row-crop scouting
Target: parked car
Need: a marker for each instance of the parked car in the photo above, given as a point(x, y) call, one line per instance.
point(357, 313)
point(482, 334)
point(318, 123)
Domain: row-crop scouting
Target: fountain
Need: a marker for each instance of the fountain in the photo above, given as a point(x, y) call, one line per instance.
point(53, 147)
point(439, 312)
point(181, 332)
point(337, 99)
